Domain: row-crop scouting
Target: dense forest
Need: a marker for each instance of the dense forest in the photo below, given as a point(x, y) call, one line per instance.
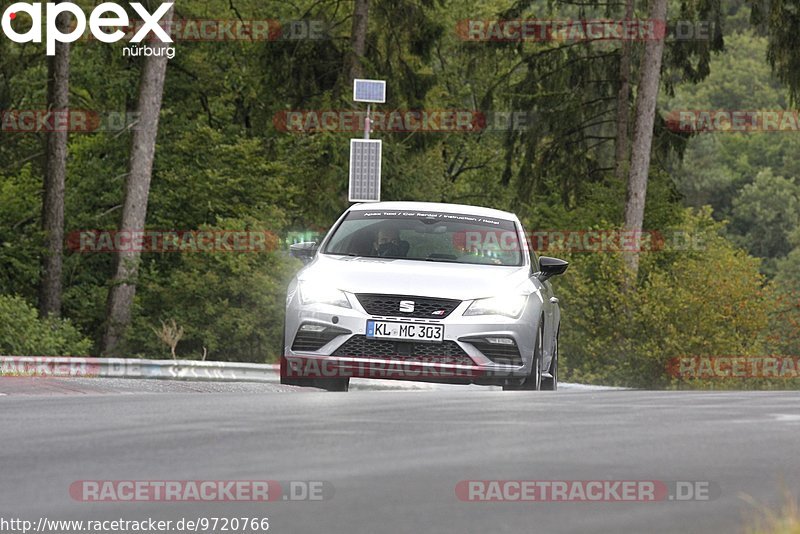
point(725, 281)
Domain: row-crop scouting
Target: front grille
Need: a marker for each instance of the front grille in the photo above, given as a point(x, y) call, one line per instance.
point(389, 306)
point(498, 353)
point(363, 347)
point(311, 341)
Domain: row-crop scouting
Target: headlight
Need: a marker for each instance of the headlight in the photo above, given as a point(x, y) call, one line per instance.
point(317, 293)
point(508, 305)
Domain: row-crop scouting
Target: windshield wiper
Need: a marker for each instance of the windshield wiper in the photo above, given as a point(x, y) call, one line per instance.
point(442, 260)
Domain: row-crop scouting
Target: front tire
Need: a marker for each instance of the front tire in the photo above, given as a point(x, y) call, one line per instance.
point(331, 384)
point(326, 383)
point(533, 382)
point(551, 384)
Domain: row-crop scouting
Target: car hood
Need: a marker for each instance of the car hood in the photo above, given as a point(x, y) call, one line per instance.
point(410, 277)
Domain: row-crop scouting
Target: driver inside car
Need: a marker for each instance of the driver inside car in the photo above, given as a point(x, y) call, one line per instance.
point(389, 244)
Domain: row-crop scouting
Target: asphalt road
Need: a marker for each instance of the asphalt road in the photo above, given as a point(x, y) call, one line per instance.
point(393, 458)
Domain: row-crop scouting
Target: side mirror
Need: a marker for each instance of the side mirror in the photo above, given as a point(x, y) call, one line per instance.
point(549, 267)
point(303, 251)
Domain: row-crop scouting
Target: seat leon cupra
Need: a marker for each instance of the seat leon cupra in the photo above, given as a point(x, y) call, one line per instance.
point(422, 291)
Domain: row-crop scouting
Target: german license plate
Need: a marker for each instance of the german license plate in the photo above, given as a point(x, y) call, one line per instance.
point(405, 331)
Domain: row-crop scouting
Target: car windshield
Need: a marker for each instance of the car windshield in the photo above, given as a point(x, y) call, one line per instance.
point(427, 236)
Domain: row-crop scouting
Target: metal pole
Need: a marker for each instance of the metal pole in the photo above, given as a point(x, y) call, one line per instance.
point(367, 124)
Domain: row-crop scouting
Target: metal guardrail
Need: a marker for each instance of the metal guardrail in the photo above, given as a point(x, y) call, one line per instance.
point(65, 366)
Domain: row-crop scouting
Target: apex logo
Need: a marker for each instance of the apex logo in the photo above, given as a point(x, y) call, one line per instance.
point(97, 21)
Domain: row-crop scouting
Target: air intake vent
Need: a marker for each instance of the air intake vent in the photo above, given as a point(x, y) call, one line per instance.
point(501, 350)
point(361, 347)
point(311, 337)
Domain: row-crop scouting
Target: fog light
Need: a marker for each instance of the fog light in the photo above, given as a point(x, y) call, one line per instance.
point(313, 328)
point(500, 340)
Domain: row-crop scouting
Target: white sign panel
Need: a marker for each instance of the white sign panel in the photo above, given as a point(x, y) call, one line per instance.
point(365, 170)
point(373, 91)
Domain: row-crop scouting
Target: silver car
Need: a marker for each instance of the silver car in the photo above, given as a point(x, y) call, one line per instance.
point(422, 291)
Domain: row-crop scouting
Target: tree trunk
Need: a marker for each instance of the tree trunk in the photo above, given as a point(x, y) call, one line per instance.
point(649, 82)
point(623, 106)
point(137, 189)
point(358, 40)
point(54, 177)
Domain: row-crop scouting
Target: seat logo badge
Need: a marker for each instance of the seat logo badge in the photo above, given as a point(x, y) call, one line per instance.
point(407, 306)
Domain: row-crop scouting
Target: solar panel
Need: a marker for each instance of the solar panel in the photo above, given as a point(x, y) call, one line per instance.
point(369, 91)
point(365, 170)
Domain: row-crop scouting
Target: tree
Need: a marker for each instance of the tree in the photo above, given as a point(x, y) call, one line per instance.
point(137, 189)
point(54, 177)
point(764, 215)
point(22, 332)
point(614, 336)
point(788, 275)
point(783, 52)
point(358, 40)
point(716, 166)
point(649, 83)
point(623, 107)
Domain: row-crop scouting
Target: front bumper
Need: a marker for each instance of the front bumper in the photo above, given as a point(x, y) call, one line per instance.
point(465, 355)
